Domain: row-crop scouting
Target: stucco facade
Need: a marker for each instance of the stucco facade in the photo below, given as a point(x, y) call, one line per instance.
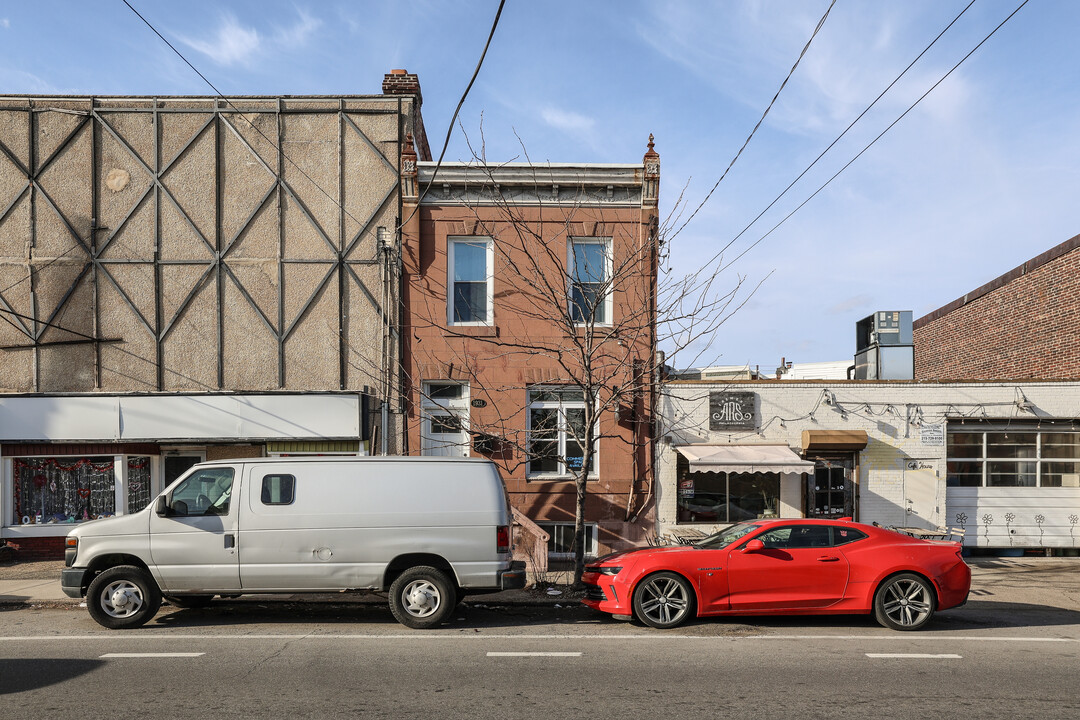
point(191, 247)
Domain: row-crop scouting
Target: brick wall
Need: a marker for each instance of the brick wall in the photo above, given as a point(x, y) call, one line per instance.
point(1020, 325)
point(39, 548)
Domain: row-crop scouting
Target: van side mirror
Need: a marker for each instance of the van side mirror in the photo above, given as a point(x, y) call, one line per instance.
point(161, 507)
point(753, 546)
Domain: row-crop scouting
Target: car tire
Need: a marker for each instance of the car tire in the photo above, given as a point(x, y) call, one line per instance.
point(664, 600)
point(422, 597)
point(189, 602)
point(123, 597)
point(904, 602)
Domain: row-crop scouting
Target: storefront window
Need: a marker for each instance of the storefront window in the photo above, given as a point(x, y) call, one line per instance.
point(64, 489)
point(138, 483)
point(717, 497)
point(1015, 458)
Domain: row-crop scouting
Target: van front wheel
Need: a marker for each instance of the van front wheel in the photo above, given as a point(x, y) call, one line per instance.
point(123, 597)
point(422, 597)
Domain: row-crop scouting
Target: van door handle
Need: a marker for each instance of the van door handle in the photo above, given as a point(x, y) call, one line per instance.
point(828, 558)
point(230, 541)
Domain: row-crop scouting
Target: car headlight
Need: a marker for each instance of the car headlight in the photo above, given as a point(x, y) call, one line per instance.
point(607, 570)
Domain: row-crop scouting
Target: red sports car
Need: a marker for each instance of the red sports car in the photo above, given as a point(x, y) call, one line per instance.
point(791, 567)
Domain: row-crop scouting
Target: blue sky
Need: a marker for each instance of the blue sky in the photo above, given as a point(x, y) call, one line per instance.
point(981, 176)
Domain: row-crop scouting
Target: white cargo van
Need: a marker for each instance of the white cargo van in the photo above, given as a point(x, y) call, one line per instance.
point(426, 529)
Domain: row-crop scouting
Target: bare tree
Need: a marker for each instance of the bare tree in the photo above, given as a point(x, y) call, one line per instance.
point(579, 280)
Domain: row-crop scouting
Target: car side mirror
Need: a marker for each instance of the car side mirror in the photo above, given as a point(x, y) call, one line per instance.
point(161, 507)
point(753, 546)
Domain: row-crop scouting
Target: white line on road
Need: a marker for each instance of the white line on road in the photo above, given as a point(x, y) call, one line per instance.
point(917, 656)
point(154, 655)
point(900, 637)
point(534, 654)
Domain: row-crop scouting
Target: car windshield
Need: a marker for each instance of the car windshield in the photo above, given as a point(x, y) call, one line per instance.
point(727, 536)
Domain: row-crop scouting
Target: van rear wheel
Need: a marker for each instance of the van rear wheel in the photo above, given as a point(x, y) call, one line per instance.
point(123, 597)
point(422, 597)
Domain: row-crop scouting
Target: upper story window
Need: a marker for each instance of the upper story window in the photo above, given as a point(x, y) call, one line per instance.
point(590, 281)
point(1013, 458)
point(470, 269)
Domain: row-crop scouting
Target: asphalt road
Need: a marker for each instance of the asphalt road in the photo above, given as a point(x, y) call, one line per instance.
point(988, 659)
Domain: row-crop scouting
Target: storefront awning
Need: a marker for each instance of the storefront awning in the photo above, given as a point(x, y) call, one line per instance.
point(851, 440)
point(744, 459)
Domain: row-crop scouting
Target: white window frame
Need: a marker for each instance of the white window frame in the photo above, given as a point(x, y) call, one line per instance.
point(451, 243)
point(608, 304)
point(592, 532)
point(561, 405)
point(985, 458)
point(457, 407)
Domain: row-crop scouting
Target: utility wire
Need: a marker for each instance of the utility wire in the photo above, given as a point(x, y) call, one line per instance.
point(841, 135)
point(446, 142)
point(872, 142)
point(772, 102)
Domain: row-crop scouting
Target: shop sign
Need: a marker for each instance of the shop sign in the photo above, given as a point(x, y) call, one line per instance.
point(732, 411)
point(932, 435)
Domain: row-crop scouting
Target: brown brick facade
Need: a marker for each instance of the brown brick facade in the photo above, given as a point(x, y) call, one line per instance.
point(1021, 325)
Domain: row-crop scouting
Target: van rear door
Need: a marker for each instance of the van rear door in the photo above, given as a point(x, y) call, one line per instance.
point(193, 542)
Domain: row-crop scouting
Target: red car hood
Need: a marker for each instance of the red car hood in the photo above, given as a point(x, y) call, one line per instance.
point(638, 554)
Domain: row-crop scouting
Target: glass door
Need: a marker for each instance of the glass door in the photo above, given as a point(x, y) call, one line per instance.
point(830, 489)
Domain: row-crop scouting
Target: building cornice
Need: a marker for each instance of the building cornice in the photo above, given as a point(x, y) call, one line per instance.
point(607, 185)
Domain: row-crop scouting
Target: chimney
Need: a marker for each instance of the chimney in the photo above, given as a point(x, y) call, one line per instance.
point(402, 82)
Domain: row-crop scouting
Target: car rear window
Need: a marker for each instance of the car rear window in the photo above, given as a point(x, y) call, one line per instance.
point(844, 535)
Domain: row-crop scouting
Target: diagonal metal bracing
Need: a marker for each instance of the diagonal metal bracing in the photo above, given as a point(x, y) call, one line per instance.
point(14, 160)
point(311, 300)
point(11, 206)
point(370, 144)
point(251, 301)
point(116, 231)
point(108, 275)
point(11, 313)
point(156, 176)
point(63, 301)
point(164, 332)
point(364, 289)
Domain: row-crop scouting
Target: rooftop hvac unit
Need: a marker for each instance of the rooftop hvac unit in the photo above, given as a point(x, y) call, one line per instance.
point(884, 349)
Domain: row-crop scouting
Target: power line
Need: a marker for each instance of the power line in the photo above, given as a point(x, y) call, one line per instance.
point(446, 142)
point(844, 133)
point(874, 141)
point(772, 102)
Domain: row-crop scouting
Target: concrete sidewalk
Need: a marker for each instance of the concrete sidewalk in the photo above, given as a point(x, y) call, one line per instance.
point(1048, 582)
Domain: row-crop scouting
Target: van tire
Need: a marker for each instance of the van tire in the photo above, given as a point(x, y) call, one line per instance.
point(422, 597)
point(123, 597)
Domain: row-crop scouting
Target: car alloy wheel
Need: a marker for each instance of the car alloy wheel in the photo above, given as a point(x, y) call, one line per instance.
point(663, 600)
point(904, 602)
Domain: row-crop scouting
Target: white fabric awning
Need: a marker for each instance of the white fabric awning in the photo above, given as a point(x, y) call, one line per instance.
point(744, 459)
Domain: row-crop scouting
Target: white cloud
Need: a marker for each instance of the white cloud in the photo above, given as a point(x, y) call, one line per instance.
point(232, 44)
point(299, 33)
point(567, 121)
point(5, 23)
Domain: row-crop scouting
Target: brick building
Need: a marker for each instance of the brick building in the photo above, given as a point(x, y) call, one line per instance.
point(1019, 325)
point(525, 287)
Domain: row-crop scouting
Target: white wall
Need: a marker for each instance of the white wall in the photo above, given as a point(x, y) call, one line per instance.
point(899, 424)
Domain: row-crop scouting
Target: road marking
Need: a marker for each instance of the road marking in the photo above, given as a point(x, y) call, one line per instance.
point(917, 656)
point(154, 655)
point(534, 654)
point(898, 637)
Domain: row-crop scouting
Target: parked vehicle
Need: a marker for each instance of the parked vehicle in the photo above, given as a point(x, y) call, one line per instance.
point(424, 529)
point(793, 567)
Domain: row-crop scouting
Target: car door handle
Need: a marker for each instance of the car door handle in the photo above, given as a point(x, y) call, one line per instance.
point(230, 541)
point(828, 558)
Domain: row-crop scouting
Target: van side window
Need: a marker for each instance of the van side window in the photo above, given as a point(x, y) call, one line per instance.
point(206, 492)
point(278, 489)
